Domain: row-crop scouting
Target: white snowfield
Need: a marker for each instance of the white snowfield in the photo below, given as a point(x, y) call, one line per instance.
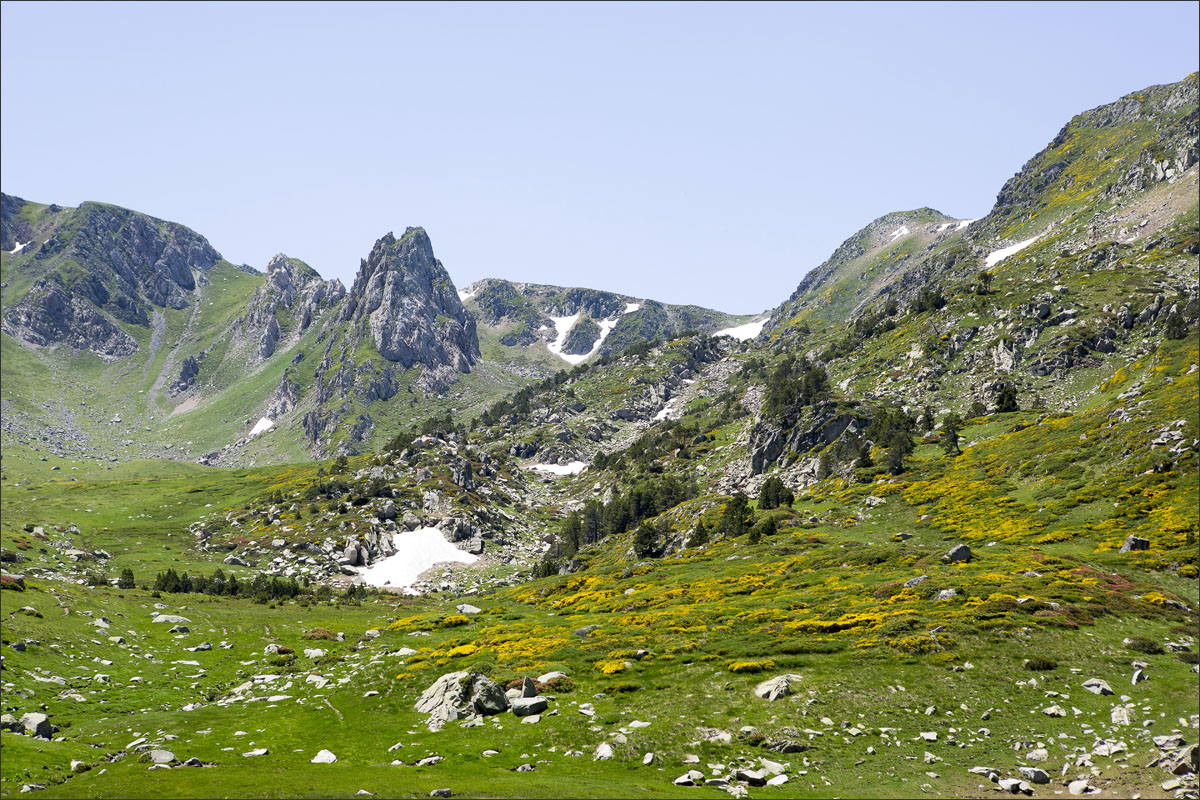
point(466, 294)
point(962, 223)
point(564, 324)
point(416, 551)
point(632, 307)
point(744, 332)
point(263, 424)
point(574, 468)
point(996, 256)
point(670, 409)
point(901, 231)
point(19, 247)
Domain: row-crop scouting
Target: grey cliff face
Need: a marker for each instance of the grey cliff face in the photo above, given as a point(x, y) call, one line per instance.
point(294, 290)
point(50, 314)
point(411, 306)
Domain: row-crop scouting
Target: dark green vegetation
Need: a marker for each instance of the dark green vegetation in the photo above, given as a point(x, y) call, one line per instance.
point(945, 488)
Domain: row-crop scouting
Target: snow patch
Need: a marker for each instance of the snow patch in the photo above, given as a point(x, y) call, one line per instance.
point(901, 231)
point(962, 223)
point(466, 294)
point(943, 227)
point(263, 424)
point(670, 409)
point(744, 332)
point(564, 325)
point(629, 307)
point(416, 551)
point(996, 256)
point(20, 247)
point(574, 468)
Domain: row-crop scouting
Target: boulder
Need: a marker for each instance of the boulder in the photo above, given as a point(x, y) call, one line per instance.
point(1097, 686)
point(1034, 774)
point(457, 695)
point(171, 619)
point(1135, 543)
point(528, 687)
point(960, 553)
point(777, 687)
point(528, 706)
point(38, 724)
point(159, 757)
point(604, 752)
point(323, 757)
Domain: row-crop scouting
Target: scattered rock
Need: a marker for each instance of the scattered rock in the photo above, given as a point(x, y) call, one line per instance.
point(958, 554)
point(604, 752)
point(777, 687)
point(1097, 686)
point(323, 757)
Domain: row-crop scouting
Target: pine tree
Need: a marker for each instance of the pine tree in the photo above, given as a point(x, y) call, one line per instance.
point(1176, 327)
point(1006, 401)
point(950, 427)
point(125, 581)
point(737, 516)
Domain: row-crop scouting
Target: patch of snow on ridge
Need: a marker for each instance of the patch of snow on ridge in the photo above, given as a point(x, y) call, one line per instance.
point(629, 307)
point(901, 231)
point(264, 424)
point(20, 247)
point(416, 551)
point(744, 332)
point(574, 468)
point(671, 407)
point(962, 223)
point(996, 256)
point(466, 294)
point(564, 325)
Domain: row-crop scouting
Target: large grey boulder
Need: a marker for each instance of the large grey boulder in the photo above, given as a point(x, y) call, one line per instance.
point(171, 619)
point(458, 695)
point(777, 687)
point(528, 706)
point(958, 554)
point(160, 757)
point(38, 724)
point(1134, 543)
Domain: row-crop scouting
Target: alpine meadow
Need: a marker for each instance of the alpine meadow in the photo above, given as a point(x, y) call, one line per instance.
point(925, 528)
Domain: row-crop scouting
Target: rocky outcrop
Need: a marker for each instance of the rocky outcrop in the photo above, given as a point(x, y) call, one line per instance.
point(286, 304)
point(582, 337)
point(50, 314)
point(407, 302)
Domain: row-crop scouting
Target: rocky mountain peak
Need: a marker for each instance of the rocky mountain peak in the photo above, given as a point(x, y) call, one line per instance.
point(411, 306)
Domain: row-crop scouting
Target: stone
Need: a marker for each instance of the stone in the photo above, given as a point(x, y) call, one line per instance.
point(946, 594)
point(1034, 774)
point(1120, 716)
point(527, 706)
point(604, 752)
point(323, 757)
point(159, 756)
point(528, 689)
point(1037, 754)
point(911, 582)
point(777, 687)
point(467, 608)
point(38, 724)
point(533, 719)
point(429, 761)
point(1134, 543)
point(1054, 711)
point(456, 695)
point(1078, 787)
point(958, 554)
point(991, 773)
point(1097, 686)
point(778, 780)
point(171, 619)
point(261, 751)
point(649, 759)
point(1139, 675)
point(80, 766)
point(1015, 786)
point(441, 793)
point(753, 777)
point(549, 676)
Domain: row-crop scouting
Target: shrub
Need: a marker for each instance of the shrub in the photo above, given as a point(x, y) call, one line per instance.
point(453, 621)
point(1142, 644)
point(1038, 664)
point(320, 633)
point(916, 644)
point(561, 685)
point(12, 582)
point(1188, 657)
point(751, 666)
point(281, 659)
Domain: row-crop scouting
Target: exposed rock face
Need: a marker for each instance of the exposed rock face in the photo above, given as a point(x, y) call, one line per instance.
point(14, 229)
point(51, 314)
point(287, 302)
point(410, 306)
point(581, 337)
point(117, 264)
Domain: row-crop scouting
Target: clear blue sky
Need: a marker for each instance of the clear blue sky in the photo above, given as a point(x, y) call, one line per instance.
point(705, 153)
